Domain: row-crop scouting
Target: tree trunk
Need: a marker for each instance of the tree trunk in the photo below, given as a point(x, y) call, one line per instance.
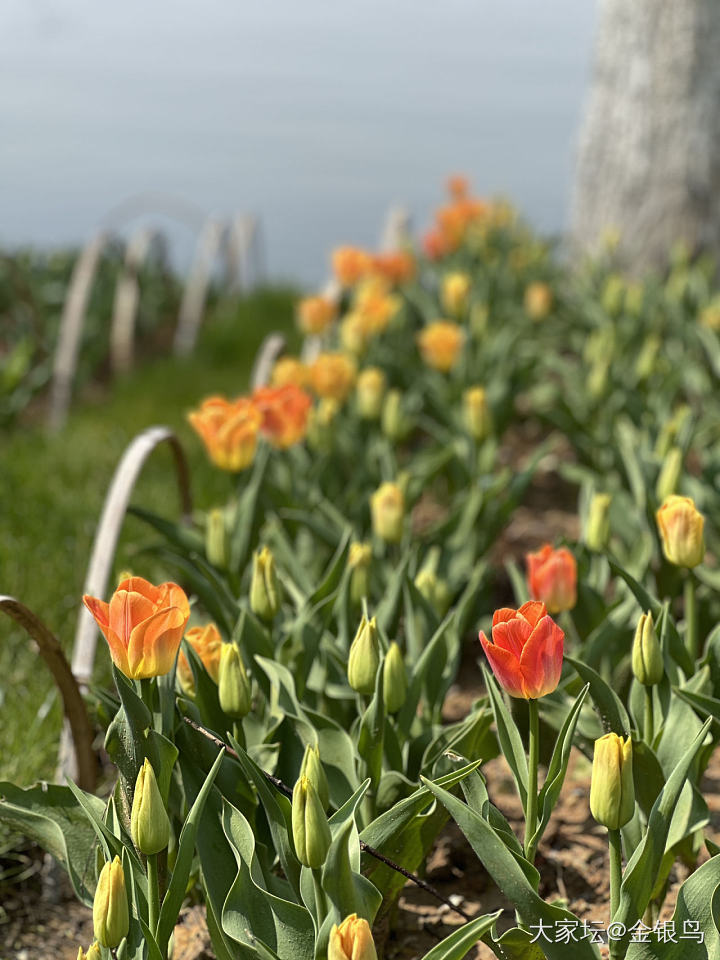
point(649, 151)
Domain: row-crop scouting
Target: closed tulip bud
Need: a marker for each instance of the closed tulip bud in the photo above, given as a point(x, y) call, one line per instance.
point(646, 362)
point(149, 822)
point(311, 831)
point(455, 292)
point(394, 423)
point(647, 659)
point(476, 413)
point(598, 522)
point(681, 529)
point(370, 393)
point(394, 679)
point(264, 586)
point(359, 560)
point(111, 917)
point(612, 791)
point(387, 506)
point(312, 769)
point(234, 690)
point(364, 657)
point(538, 300)
point(216, 539)
point(321, 425)
point(669, 476)
point(434, 590)
point(352, 940)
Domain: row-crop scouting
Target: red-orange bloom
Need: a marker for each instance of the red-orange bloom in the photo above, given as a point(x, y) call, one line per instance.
point(350, 264)
point(396, 267)
point(526, 651)
point(434, 244)
point(284, 413)
point(229, 430)
point(552, 578)
point(143, 625)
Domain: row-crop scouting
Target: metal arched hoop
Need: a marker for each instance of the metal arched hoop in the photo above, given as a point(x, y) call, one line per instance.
point(71, 328)
point(193, 301)
point(127, 299)
point(244, 255)
point(80, 757)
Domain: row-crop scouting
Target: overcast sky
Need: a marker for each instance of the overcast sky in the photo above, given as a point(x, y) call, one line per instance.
point(315, 114)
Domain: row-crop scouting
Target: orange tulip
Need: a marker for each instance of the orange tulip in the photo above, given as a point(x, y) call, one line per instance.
point(440, 344)
point(552, 578)
point(284, 413)
point(434, 244)
point(229, 430)
point(333, 375)
point(143, 625)
point(526, 651)
point(207, 644)
point(396, 267)
point(315, 314)
point(352, 940)
point(351, 264)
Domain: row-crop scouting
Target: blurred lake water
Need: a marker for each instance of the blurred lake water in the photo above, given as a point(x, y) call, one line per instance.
point(314, 114)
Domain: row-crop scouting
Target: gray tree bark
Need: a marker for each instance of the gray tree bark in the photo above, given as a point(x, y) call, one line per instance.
point(649, 150)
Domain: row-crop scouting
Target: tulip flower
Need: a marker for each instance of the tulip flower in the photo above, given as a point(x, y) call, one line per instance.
point(332, 375)
point(612, 791)
point(476, 413)
point(284, 412)
point(394, 679)
point(440, 344)
point(264, 586)
point(234, 687)
point(93, 952)
point(352, 940)
point(311, 831)
point(359, 561)
point(313, 770)
point(598, 522)
point(111, 917)
point(454, 293)
point(552, 578)
point(229, 430)
point(289, 370)
point(648, 666)
point(350, 265)
point(387, 507)
point(538, 300)
point(526, 651)
point(394, 422)
point(149, 822)
point(315, 314)
point(396, 266)
point(681, 529)
point(143, 625)
point(364, 657)
point(207, 644)
point(370, 393)
point(216, 538)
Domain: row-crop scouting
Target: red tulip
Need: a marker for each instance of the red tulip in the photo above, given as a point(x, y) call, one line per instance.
point(526, 650)
point(552, 578)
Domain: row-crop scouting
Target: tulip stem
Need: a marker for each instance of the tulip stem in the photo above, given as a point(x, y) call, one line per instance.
point(153, 895)
point(533, 758)
point(691, 617)
point(649, 716)
point(615, 845)
point(320, 899)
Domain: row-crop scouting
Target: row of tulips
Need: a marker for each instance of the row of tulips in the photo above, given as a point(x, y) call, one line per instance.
point(277, 721)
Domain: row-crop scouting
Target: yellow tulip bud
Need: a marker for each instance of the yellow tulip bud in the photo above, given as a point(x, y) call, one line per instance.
point(612, 792)
point(234, 689)
point(598, 522)
point(111, 916)
point(216, 539)
point(681, 529)
point(394, 679)
point(370, 392)
point(394, 423)
point(264, 586)
point(387, 506)
point(359, 560)
point(476, 413)
point(93, 952)
point(311, 831)
point(538, 300)
point(149, 822)
point(455, 292)
point(364, 657)
point(647, 659)
point(313, 770)
point(352, 940)
point(321, 424)
point(669, 476)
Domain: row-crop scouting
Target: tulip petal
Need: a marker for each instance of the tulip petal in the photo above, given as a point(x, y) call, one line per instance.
point(512, 635)
point(101, 611)
point(505, 666)
point(127, 609)
point(541, 659)
point(154, 643)
point(503, 615)
point(533, 611)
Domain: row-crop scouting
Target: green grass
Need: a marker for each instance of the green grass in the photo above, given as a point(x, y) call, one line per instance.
point(52, 493)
